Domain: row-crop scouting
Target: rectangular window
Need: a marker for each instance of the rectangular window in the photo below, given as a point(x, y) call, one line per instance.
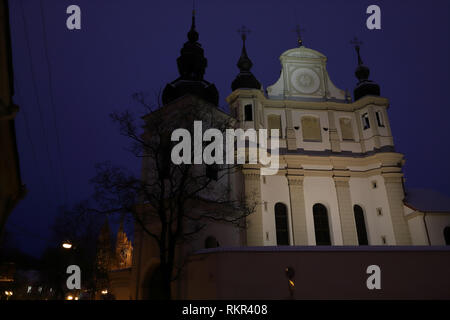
point(274, 122)
point(248, 112)
point(311, 129)
point(365, 121)
point(346, 128)
point(379, 119)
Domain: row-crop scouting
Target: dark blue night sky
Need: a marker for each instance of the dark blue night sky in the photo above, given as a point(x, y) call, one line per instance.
point(130, 46)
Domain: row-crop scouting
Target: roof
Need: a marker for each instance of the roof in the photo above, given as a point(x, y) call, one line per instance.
point(427, 200)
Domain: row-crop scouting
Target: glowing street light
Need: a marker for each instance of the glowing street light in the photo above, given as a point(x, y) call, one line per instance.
point(67, 245)
point(69, 297)
point(105, 291)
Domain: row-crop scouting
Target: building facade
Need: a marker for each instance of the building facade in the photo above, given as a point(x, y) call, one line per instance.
point(340, 184)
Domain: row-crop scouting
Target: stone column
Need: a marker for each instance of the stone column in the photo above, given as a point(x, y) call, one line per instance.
point(360, 132)
point(348, 224)
point(291, 140)
point(298, 211)
point(334, 137)
point(255, 231)
point(374, 127)
point(395, 195)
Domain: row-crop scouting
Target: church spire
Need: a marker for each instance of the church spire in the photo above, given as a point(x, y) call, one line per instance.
point(245, 79)
point(191, 67)
point(365, 86)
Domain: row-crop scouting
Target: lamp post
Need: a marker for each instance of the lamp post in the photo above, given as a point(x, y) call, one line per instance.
point(290, 274)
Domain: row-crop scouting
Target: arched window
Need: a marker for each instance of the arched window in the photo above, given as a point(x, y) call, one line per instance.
point(281, 224)
point(321, 225)
point(360, 225)
point(211, 242)
point(447, 235)
point(248, 112)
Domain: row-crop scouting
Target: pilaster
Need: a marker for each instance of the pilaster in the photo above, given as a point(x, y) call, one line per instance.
point(298, 211)
point(395, 195)
point(348, 225)
point(254, 221)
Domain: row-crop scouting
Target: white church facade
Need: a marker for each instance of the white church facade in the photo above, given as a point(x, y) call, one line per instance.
point(340, 183)
point(340, 180)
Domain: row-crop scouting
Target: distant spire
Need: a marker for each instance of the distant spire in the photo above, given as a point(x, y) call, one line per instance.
point(299, 31)
point(357, 43)
point(244, 63)
point(245, 79)
point(191, 67)
point(193, 34)
point(365, 86)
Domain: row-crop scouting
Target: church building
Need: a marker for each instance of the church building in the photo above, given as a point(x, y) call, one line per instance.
point(338, 198)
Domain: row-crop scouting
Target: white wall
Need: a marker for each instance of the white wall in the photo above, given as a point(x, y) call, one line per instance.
point(370, 199)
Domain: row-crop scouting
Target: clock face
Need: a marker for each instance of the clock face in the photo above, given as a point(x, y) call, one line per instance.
point(305, 80)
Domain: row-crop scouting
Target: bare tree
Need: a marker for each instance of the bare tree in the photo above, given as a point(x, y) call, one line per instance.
point(170, 203)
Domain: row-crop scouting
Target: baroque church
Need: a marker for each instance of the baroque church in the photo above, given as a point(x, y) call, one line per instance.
point(339, 189)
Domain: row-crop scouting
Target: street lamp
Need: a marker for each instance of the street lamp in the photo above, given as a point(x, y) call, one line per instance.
point(8, 294)
point(290, 273)
point(67, 245)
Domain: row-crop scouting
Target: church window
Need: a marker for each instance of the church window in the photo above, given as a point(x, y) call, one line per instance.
point(447, 235)
point(212, 172)
point(346, 128)
point(379, 117)
point(281, 224)
point(360, 225)
point(383, 240)
point(274, 122)
point(321, 225)
point(365, 120)
point(374, 185)
point(248, 112)
point(211, 242)
point(311, 128)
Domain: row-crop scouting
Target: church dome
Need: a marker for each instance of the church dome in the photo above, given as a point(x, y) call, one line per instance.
point(245, 78)
point(191, 67)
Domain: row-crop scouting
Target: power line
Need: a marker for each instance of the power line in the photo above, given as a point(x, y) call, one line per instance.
point(28, 133)
point(33, 79)
point(52, 101)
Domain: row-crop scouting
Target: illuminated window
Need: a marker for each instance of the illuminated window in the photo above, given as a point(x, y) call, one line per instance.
point(321, 225)
point(365, 121)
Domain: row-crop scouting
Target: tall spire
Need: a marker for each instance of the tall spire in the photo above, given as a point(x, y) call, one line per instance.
point(245, 79)
point(364, 86)
point(193, 34)
point(299, 31)
point(191, 66)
